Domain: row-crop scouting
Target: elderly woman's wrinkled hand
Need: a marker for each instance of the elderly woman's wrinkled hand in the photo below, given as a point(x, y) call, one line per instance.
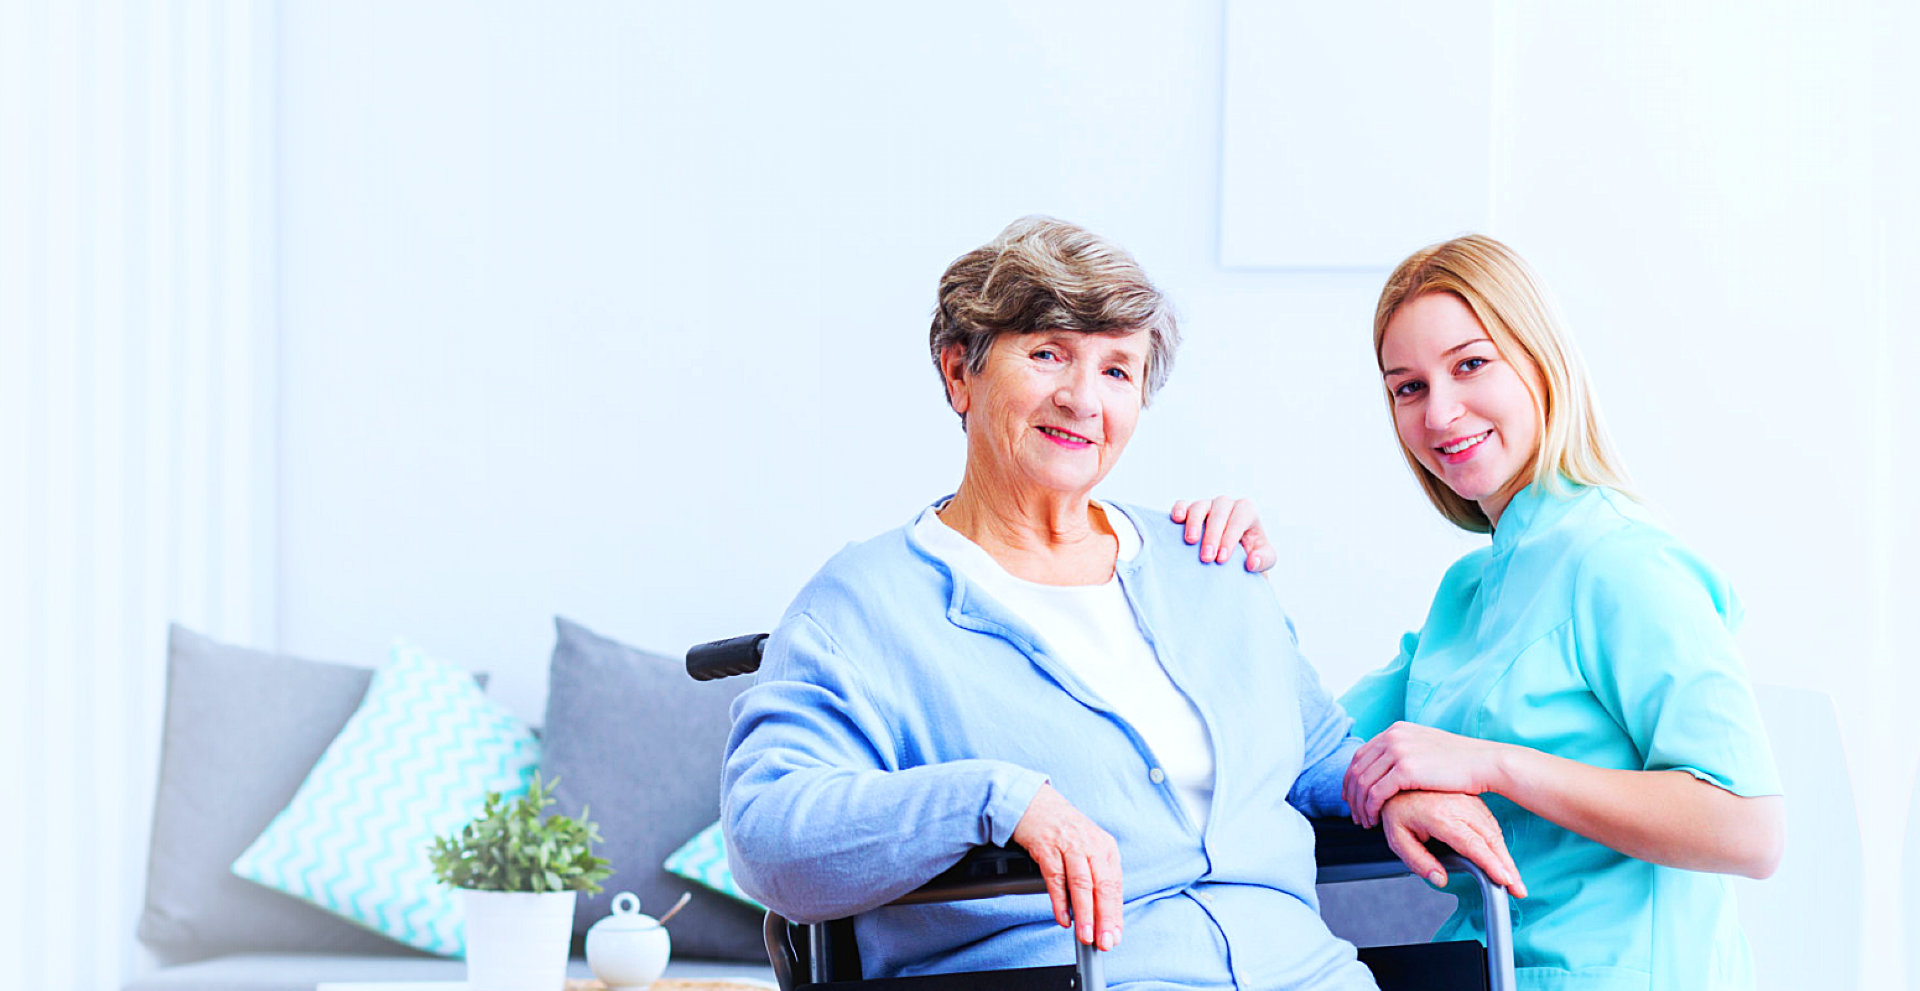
point(1219, 523)
point(1081, 865)
point(1409, 756)
point(1463, 822)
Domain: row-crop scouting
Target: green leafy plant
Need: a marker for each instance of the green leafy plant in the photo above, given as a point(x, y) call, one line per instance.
point(511, 848)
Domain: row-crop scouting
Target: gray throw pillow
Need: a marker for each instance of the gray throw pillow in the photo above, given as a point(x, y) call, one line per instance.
point(639, 743)
point(242, 730)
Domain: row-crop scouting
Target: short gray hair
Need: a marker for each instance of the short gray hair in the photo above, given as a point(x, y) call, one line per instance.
point(1046, 274)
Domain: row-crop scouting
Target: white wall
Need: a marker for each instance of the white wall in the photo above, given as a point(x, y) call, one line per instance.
point(624, 315)
point(618, 311)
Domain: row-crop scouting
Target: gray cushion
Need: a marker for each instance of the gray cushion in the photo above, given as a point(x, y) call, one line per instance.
point(243, 728)
point(639, 743)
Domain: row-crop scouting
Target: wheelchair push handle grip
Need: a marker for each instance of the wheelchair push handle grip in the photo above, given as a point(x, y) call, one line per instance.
point(726, 658)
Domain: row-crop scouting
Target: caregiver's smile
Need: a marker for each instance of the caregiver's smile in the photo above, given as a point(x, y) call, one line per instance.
point(1466, 414)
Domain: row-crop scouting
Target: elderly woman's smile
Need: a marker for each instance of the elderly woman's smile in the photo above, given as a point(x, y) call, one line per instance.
point(1066, 438)
point(1051, 411)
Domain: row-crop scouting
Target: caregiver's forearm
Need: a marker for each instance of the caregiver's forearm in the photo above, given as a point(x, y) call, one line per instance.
point(1663, 817)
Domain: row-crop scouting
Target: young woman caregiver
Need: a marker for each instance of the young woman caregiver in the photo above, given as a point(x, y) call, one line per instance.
point(1579, 673)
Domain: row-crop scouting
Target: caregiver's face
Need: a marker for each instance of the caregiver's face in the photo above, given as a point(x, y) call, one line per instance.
point(1464, 412)
point(1051, 410)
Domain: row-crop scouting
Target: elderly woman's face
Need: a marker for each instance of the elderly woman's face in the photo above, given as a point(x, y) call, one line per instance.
point(1052, 410)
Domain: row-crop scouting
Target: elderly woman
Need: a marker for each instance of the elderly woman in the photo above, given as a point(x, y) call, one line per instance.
point(1023, 663)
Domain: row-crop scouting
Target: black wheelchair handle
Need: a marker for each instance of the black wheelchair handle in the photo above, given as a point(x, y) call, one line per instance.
point(726, 658)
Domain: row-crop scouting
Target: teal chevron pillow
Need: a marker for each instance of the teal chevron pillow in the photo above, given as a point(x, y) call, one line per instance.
point(704, 859)
point(414, 762)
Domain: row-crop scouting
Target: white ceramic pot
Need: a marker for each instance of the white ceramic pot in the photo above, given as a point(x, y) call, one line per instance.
point(627, 950)
point(517, 940)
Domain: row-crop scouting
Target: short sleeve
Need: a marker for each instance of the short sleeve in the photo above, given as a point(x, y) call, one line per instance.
point(1653, 629)
point(1378, 700)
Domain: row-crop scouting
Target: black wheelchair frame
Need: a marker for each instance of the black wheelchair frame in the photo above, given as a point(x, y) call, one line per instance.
point(827, 956)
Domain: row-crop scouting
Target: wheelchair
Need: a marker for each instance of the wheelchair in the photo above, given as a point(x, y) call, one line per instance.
point(825, 957)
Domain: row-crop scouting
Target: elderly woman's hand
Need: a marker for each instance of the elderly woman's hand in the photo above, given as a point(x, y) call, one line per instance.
point(1463, 822)
point(1219, 523)
point(1081, 865)
point(1409, 756)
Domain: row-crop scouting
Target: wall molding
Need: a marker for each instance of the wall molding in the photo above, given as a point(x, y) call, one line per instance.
point(137, 427)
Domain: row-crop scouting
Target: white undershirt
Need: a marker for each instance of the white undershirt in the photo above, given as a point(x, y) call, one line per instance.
point(1092, 631)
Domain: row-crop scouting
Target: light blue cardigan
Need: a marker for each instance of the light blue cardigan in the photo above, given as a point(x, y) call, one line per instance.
point(902, 717)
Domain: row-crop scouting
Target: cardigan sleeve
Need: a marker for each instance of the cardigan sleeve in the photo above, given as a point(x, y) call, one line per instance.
point(1329, 749)
point(1329, 745)
point(819, 820)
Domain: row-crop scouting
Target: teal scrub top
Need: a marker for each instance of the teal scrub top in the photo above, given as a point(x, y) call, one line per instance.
point(1587, 632)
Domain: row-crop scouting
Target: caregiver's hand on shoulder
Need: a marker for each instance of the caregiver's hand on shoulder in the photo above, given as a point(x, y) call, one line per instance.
point(1410, 756)
point(1463, 822)
point(1219, 523)
point(1080, 863)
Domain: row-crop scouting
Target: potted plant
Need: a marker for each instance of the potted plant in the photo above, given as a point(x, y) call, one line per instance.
point(518, 873)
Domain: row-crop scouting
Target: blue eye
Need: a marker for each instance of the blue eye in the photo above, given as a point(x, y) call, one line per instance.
point(1119, 373)
point(1472, 364)
point(1045, 354)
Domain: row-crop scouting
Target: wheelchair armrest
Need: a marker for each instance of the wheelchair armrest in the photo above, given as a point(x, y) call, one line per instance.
point(985, 871)
point(1347, 852)
point(990, 871)
point(1344, 852)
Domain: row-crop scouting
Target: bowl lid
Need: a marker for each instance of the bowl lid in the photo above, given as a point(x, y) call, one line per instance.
point(626, 916)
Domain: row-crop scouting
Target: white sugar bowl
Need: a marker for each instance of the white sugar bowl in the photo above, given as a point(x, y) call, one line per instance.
point(626, 950)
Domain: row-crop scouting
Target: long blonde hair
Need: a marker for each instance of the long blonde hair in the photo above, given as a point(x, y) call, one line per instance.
point(1506, 297)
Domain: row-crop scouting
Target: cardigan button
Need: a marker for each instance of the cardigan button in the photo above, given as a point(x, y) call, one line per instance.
point(1157, 775)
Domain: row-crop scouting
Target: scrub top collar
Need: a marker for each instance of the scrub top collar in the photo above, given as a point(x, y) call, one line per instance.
point(1532, 508)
